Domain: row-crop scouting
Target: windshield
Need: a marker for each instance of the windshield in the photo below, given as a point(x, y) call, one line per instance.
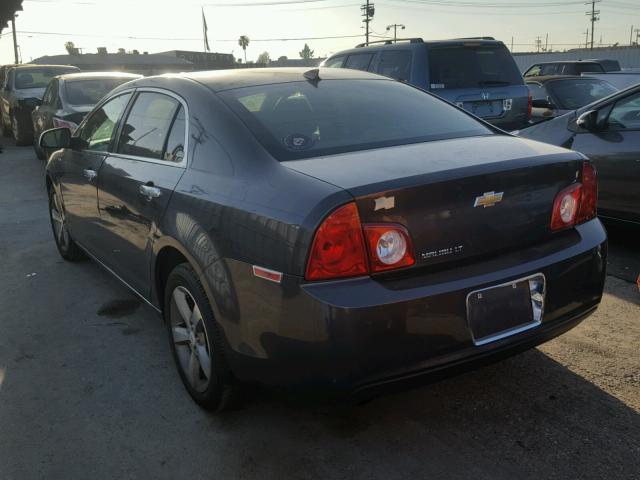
point(576, 93)
point(90, 91)
point(472, 66)
point(37, 77)
point(302, 119)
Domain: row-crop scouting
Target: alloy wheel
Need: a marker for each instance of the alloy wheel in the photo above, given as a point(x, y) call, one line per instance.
point(190, 339)
point(59, 223)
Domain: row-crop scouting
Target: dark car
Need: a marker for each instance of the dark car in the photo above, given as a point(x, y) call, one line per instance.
point(69, 97)
point(477, 74)
point(293, 232)
point(21, 92)
point(572, 67)
point(556, 95)
point(608, 132)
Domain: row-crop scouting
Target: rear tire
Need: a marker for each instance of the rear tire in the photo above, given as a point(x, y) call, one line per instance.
point(68, 249)
point(20, 134)
point(196, 341)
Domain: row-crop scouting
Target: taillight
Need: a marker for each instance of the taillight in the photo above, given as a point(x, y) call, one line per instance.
point(338, 247)
point(588, 203)
point(389, 247)
point(60, 123)
point(576, 203)
point(529, 105)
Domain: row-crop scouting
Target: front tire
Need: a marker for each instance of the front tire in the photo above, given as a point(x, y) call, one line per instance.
point(196, 341)
point(68, 249)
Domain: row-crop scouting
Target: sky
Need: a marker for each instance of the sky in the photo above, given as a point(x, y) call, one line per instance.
point(44, 26)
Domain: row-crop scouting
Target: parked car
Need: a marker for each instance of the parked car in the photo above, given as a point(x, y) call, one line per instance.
point(608, 132)
point(571, 67)
point(22, 90)
point(556, 95)
point(69, 97)
point(293, 232)
point(477, 74)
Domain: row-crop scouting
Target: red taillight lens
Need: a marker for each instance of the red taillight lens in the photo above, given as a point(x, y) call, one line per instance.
point(576, 203)
point(589, 201)
point(389, 247)
point(565, 207)
point(529, 105)
point(338, 247)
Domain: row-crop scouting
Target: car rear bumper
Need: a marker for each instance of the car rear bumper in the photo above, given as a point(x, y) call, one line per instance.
point(365, 333)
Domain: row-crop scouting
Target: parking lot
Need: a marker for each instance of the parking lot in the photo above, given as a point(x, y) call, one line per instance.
point(88, 388)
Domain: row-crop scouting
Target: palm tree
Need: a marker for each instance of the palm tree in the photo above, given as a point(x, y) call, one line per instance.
point(243, 41)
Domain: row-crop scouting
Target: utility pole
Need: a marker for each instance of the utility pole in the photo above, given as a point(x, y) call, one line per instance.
point(538, 43)
point(546, 44)
point(368, 10)
point(395, 28)
point(15, 40)
point(637, 36)
point(586, 41)
point(593, 14)
point(631, 37)
point(511, 44)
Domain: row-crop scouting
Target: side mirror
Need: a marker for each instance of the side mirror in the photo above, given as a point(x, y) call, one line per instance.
point(56, 138)
point(542, 103)
point(588, 120)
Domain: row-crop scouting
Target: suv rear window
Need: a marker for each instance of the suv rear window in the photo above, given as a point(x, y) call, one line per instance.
point(472, 66)
point(301, 120)
point(37, 77)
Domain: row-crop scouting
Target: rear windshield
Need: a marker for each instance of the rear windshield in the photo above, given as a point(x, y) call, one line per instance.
point(37, 77)
point(572, 94)
point(301, 119)
point(472, 66)
point(89, 92)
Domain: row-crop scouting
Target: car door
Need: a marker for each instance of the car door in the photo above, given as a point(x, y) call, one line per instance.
point(137, 180)
point(616, 154)
point(42, 114)
point(78, 180)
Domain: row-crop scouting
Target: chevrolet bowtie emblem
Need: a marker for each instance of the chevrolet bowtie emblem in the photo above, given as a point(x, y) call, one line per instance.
point(488, 199)
point(384, 203)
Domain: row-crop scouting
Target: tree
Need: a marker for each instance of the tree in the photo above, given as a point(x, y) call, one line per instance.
point(71, 48)
point(306, 52)
point(243, 41)
point(264, 58)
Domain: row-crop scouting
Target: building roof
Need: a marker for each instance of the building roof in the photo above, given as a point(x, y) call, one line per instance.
point(113, 59)
point(219, 80)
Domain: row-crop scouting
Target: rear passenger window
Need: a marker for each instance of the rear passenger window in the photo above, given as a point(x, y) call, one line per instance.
point(146, 128)
point(175, 143)
point(359, 61)
point(395, 64)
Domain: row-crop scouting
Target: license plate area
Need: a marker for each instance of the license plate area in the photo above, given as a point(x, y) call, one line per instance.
point(484, 108)
point(503, 310)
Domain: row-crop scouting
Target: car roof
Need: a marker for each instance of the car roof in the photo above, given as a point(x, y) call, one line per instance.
point(412, 43)
point(219, 80)
point(587, 60)
point(552, 78)
point(35, 66)
point(89, 75)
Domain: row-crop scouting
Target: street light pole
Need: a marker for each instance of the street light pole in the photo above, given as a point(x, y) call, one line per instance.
point(15, 41)
point(395, 29)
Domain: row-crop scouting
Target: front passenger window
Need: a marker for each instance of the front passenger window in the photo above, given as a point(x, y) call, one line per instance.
point(98, 129)
point(146, 128)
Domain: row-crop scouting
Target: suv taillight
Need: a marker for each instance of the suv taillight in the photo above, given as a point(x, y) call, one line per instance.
point(577, 203)
point(343, 247)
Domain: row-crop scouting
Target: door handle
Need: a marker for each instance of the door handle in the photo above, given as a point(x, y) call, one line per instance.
point(90, 174)
point(150, 192)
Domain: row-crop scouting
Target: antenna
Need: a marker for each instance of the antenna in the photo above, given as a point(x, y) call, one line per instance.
point(312, 76)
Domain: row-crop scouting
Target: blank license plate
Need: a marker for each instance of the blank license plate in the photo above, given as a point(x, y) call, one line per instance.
point(504, 310)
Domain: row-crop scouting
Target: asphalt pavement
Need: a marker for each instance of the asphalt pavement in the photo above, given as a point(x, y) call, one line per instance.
point(88, 388)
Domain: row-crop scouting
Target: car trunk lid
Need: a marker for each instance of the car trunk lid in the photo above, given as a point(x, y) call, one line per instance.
point(459, 198)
